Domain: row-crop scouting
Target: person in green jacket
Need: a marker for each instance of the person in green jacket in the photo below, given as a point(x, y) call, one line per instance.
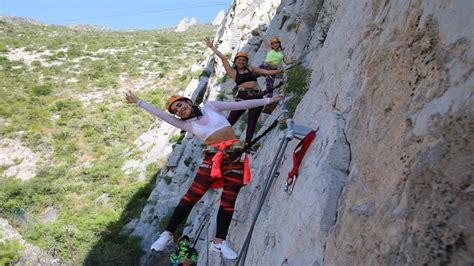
point(184, 254)
point(274, 59)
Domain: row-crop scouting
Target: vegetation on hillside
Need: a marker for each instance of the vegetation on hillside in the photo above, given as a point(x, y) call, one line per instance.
point(298, 82)
point(10, 251)
point(62, 95)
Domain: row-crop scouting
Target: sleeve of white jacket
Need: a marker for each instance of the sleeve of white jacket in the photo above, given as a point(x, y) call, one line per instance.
point(240, 105)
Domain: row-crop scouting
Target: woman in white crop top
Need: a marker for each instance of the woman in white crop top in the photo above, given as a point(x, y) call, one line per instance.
point(218, 169)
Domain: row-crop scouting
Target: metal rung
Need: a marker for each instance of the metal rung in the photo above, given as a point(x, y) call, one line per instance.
point(301, 131)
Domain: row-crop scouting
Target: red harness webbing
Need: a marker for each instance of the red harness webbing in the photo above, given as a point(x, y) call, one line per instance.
point(298, 155)
point(216, 162)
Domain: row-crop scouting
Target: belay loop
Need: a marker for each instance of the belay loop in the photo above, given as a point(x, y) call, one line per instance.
point(298, 154)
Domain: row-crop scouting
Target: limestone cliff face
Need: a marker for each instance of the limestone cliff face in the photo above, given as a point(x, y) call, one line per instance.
point(388, 180)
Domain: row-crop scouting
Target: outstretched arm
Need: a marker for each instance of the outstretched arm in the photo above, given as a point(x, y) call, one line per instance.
point(243, 105)
point(131, 98)
point(267, 44)
point(225, 61)
point(266, 72)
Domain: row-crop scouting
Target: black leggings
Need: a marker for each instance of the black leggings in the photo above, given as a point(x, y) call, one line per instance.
point(254, 114)
point(232, 174)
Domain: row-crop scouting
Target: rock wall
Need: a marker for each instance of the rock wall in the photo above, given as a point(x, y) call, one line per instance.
point(410, 128)
point(388, 180)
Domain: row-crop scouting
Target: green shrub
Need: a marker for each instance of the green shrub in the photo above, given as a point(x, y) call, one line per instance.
point(42, 90)
point(66, 105)
point(222, 79)
point(73, 52)
point(3, 48)
point(204, 73)
point(10, 252)
point(297, 86)
point(168, 179)
point(293, 25)
point(151, 170)
point(221, 96)
point(60, 54)
point(36, 63)
point(176, 138)
point(5, 64)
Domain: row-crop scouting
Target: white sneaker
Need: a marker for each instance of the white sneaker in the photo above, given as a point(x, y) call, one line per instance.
point(162, 242)
point(225, 249)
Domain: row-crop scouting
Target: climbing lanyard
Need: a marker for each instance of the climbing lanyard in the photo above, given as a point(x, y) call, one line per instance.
point(201, 227)
point(298, 155)
point(256, 139)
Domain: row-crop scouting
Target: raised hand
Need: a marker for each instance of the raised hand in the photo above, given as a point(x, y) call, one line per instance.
point(208, 42)
point(131, 98)
point(277, 97)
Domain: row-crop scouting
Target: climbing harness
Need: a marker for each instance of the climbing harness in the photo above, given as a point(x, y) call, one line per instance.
point(293, 131)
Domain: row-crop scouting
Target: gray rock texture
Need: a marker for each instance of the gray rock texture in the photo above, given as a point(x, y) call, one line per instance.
point(17, 160)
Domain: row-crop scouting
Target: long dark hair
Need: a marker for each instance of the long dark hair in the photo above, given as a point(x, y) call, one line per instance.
point(196, 112)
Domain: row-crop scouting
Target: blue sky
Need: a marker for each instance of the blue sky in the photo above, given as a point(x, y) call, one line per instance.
point(115, 14)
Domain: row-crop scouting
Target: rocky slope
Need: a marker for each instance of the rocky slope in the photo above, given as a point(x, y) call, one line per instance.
point(30, 254)
point(388, 180)
point(74, 164)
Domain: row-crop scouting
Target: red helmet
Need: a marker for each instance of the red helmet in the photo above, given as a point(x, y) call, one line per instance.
point(175, 98)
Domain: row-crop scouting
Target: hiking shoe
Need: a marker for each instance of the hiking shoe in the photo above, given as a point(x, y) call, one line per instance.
point(162, 242)
point(225, 249)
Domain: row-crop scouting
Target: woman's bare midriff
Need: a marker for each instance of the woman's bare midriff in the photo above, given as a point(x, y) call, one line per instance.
point(221, 135)
point(249, 85)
